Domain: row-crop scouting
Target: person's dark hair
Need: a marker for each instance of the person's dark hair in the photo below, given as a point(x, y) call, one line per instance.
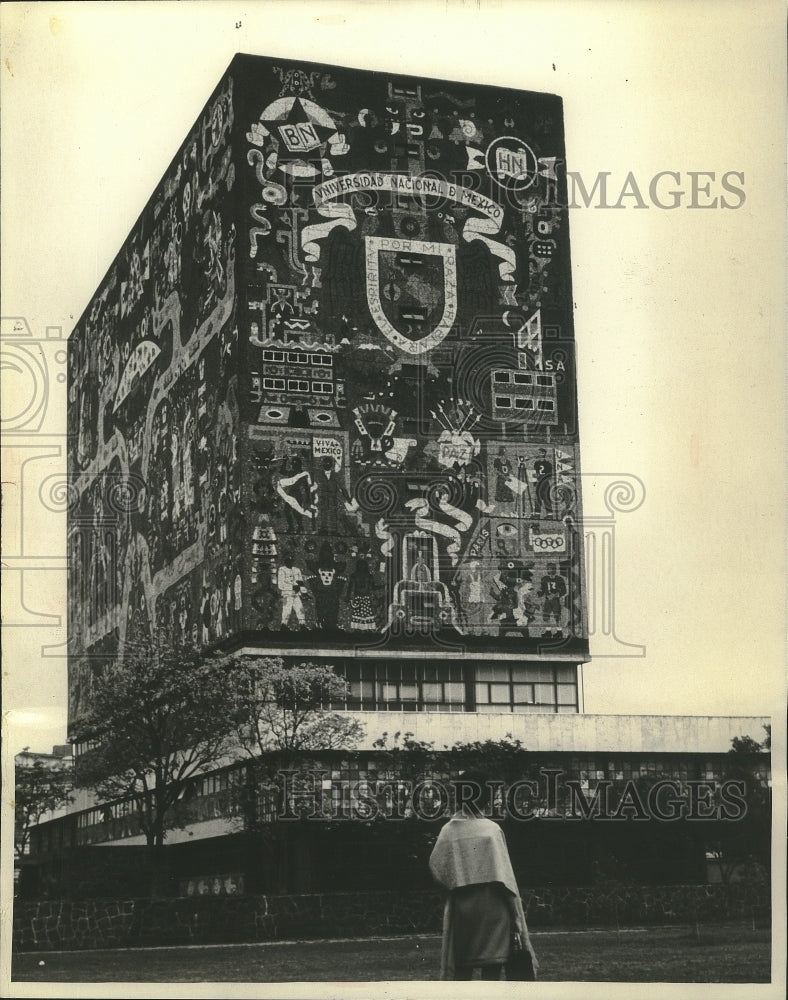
point(472, 790)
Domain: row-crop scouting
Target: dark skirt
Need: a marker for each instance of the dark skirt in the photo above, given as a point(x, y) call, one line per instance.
point(481, 924)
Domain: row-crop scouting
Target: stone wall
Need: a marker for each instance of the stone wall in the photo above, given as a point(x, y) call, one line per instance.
point(61, 924)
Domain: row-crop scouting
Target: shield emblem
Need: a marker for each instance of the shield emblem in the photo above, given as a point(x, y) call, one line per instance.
point(411, 291)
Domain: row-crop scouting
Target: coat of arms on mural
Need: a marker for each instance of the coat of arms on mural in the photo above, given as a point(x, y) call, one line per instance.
point(411, 291)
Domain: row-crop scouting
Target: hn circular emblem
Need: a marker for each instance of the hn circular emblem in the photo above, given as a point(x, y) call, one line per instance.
point(511, 163)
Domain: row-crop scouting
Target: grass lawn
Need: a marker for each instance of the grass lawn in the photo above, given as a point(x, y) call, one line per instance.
point(715, 954)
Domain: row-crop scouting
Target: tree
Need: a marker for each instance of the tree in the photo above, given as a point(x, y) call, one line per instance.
point(284, 723)
point(283, 717)
point(742, 846)
point(158, 717)
point(506, 761)
point(40, 788)
point(285, 710)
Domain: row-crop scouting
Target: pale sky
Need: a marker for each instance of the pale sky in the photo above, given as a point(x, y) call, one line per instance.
point(679, 313)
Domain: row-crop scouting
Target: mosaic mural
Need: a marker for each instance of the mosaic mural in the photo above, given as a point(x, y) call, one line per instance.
point(154, 476)
point(410, 462)
point(328, 383)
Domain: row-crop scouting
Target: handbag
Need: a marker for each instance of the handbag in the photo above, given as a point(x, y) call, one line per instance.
point(520, 964)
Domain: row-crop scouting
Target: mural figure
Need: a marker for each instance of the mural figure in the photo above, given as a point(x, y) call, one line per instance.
point(205, 616)
point(543, 473)
point(297, 490)
point(468, 592)
point(327, 587)
point(361, 595)
point(504, 594)
point(290, 582)
point(329, 491)
point(513, 608)
point(525, 610)
point(553, 591)
point(503, 473)
point(237, 596)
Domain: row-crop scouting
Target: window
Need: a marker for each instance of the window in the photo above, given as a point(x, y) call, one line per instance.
point(296, 358)
point(387, 692)
point(322, 387)
point(545, 380)
point(408, 691)
point(502, 377)
point(297, 385)
point(493, 672)
point(544, 694)
point(501, 687)
point(505, 402)
point(273, 383)
point(322, 360)
point(521, 403)
point(521, 378)
point(493, 694)
point(567, 694)
point(410, 686)
point(545, 404)
point(418, 686)
point(523, 694)
point(404, 91)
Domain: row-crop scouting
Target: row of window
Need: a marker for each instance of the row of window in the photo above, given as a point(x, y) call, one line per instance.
point(297, 385)
point(299, 358)
point(212, 784)
point(119, 820)
point(524, 403)
point(593, 769)
point(523, 378)
point(392, 686)
point(452, 687)
point(513, 695)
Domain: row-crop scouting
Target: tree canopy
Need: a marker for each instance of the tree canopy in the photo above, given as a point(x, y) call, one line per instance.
point(159, 716)
point(39, 788)
point(286, 710)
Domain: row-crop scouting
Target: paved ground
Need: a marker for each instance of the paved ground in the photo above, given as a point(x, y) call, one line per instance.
point(713, 954)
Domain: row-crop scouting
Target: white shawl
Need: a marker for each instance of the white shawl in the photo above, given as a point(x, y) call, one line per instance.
point(470, 851)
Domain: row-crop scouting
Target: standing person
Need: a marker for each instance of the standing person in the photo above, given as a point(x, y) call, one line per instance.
point(483, 911)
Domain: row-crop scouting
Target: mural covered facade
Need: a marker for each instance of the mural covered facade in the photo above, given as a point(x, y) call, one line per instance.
point(411, 465)
point(154, 477)
point(325, 395)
